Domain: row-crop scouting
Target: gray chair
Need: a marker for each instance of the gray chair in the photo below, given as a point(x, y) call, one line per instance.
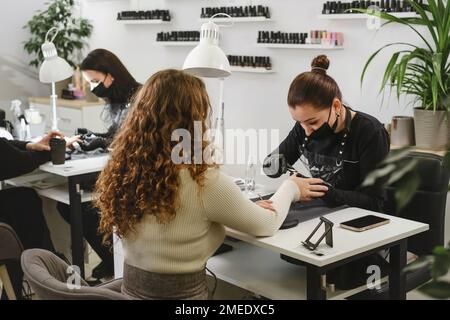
point(10, 250)
point(49, 277)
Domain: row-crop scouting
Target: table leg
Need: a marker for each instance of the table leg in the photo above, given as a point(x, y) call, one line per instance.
point(314, 289)
point(76, 224)
point(397, 278)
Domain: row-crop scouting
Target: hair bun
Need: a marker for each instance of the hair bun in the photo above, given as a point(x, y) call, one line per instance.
point(320, 64)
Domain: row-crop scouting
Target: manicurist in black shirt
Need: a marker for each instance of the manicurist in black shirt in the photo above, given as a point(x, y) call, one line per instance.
point(335, 143)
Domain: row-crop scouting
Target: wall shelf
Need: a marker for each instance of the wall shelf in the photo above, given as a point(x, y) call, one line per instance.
point(361, 16)
point(299, 46)
point(178, 43)
point(251, 70)
point(137, 22)
point(237, 20)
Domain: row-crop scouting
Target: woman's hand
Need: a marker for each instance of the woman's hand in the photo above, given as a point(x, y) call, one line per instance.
point(310, 188)
point(72, 140)
point(266, 204)
point(43, 144)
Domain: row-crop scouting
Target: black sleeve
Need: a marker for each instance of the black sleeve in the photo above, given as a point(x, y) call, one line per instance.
point(15, 160)
point(19, 144)
point(372, 151)
point(108, 134)
point(289, 146)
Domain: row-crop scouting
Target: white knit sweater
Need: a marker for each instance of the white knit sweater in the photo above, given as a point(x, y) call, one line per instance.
point(185, 244)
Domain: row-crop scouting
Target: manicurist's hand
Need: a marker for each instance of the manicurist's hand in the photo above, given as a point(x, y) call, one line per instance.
point(43, 144)
point(266, 204)
point(310, 188)
point(72, 140)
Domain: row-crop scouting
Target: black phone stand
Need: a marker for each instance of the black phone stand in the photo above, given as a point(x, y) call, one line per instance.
point(328, 234)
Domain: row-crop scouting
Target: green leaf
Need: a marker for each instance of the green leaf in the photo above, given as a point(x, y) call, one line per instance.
point(441, 263)
point(402, 171)
point(437, 289)
point(374, 175)
point(425, 261)
point(396, 155)
point(437, 67)
point(388, 70)
point(405, 189)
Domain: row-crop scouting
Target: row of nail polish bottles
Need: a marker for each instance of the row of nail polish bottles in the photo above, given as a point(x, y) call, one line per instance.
point(325, 38)
point(390, 6)
point(178, 36)
point(250, 62)
point(237, 12)
point(163, 15)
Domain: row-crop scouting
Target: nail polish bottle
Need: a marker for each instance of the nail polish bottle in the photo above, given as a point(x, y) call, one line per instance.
point(202, 15)
point(268, 64)
point(388, 6)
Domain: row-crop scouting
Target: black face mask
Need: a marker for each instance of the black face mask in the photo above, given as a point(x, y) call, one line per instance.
point(325, 130)
point(101, 91)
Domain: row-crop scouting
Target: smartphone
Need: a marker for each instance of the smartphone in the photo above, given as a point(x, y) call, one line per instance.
point(364, 223)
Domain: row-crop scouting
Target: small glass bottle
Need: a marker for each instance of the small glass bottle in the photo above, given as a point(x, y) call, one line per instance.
point(250, 174)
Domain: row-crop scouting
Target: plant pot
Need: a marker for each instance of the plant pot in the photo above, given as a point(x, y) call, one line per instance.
point(432, 129)
point(402, 131)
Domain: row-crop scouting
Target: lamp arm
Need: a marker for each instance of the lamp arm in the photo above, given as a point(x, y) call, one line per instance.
point(53, 101)
point(54, 36)
point(223, 15)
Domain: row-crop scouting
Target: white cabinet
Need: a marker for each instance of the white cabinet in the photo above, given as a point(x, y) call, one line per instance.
point(71, 114)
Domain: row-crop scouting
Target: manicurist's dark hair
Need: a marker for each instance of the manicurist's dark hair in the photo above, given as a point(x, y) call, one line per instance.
point(314, 87)
point(105, 61)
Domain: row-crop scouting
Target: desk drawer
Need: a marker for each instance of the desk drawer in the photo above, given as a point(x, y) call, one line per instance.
point(46, 113)
point(69, 120)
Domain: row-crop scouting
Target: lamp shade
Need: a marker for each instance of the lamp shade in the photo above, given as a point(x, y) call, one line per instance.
point(54, 68)
point(207, 59)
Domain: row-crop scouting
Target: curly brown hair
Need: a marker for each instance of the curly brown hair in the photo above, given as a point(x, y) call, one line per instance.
point(141, 178)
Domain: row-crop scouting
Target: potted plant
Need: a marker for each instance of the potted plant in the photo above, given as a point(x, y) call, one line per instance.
point(72, 36)
point(422, 72)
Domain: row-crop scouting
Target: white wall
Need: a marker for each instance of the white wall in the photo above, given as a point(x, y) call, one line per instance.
point(17, 79)
point(252, 100)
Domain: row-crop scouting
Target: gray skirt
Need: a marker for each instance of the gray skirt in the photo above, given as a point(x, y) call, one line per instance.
point(144, 285)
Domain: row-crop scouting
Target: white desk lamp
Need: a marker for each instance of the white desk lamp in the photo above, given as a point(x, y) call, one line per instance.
point(52, 70)
point(208, 60)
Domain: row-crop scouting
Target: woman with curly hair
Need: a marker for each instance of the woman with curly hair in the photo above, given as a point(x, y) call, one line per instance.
point(171, 216)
